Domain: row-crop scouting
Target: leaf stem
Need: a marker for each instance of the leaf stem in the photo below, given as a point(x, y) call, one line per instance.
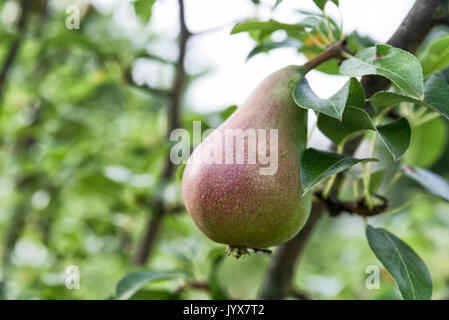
point(355, 186)
point(334, 50)
point(328, 26)
point(366, 186)
point(312, 129)
point(326, 40)
point(329, 185)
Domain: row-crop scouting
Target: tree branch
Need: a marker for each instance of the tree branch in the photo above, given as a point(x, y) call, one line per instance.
point(424, 15)
point(173, 112)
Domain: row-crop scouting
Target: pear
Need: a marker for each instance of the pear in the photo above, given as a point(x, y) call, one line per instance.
point(244, 205)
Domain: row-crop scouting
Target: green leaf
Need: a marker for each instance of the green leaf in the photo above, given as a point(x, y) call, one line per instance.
point(432, 182)
point(396, 136)
point(356, 42)
point(427, 144)
point(226, 113)
point(400, 66)
point(143, 9)
point(354, 120)
point(318, 165)
point(436, 97)
point(267, 46)
point(356, 96)
point(217, 292)
point(406, 267)
point(385, 99)
point(376, 180)
point(435, 56)
point(278, 2)
point(133, 281)
point(322, 3)
point(331, 66)
point(333, 106)
point(266, 26)
point(319, 20)
point(444, 74)
point(180, 171)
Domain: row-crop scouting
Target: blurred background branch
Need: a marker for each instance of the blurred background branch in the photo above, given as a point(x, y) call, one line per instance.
point(173, 113)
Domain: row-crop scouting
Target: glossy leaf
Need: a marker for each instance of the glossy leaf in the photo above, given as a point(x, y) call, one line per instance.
point(334, 106)
point(436, 56)
point(216, 289)
point(396, 136)
point(376, 180)
point(322, 3)
point(406, 267)
point(436, 97)
point(432, 182)
point(354, 120)
point(267, 46)
point(266, 26)
point(356, 42)
point(443, 74)
point(383, 100)
point(400, 66)
point(318, 165)
point(133, 281)
point(331, 66)
point(428, 143)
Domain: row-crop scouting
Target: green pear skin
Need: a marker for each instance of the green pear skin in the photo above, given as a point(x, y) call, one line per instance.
point(233, 203)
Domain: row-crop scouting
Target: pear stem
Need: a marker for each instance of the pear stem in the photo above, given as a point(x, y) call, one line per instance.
point(334, 50)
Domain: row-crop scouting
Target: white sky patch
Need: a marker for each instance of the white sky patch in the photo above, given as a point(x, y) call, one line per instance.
point(232, 78)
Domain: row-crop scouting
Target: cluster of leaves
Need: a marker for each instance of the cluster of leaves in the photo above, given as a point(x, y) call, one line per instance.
point(419, 93)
